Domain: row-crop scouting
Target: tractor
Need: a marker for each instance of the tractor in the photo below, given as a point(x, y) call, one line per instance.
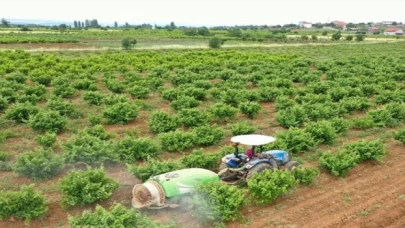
point(238, 166)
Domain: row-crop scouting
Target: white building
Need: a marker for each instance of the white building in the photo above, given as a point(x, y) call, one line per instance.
point(393, 31)
point(305, 24)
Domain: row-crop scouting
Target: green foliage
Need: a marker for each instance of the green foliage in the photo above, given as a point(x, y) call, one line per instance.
point(46, 140)
point(360, 37)
point(93, 97)
point(340, 163)
point(87, 148)
point(382, 118)
point(243, 128)
point(3, 104)
point(24, 204)
point(17, 77)
point(130, 150)
point(222, 112)
point(39, 164)
point(305, 175)
point(21, 112)
point(48, 120)
point(201, 159)
point(97, 131)
point(291, 117)
point(114, 85)
point(116, 216)
point(121, 113)
point(160, 122)
point(139, 92)
point(153, 168)
point(266, 186)
point(192, 117)
point(362, 123)
point(349, 38)
point(368, 150)
point(251, 109)
point(340, 125)
point(321, 131)
point(294, 140)
point(400, 136)
point(64, 108)
point(84, 187)
point(128, 43)
point(184, 102)
point(208, 135)
point(336, 35)
point(218, 202)
point(42, 79)
point(215, 42)
point(177, 140)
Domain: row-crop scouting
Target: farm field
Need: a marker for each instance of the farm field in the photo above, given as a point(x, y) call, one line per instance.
point(336, 108)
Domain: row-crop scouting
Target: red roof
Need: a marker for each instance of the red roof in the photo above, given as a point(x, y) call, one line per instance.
point(392, 29)
point(339, 23)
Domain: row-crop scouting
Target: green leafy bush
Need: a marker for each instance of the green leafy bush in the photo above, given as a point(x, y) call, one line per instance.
point(3, 104)
point(400, 136)
point(97, 131)
point(321, 131)
point(84, 187)
point(130, 150)
point(382, 118)
point(291, 117)
point(368, 150)
point(243, 128)
point(192, 117)
point(114, 85)
point(116, 216)
point(87, 148)
point(153, 168)
point(21, 112)
point(93, 97)
point(201, 159)
point(362, 123)
point(184, 102)
point(251, 109)
point(121, 113)
point(177, 140)
point(48, 120)
point(160, 122)
point(17, 77)
point(218, 202)
point(215, 42)
point(294, 140)
point(42, 79)
point(39, 164)
point(139, 92)
point(340, 163)
point(25, 204)
point(208, 135)
point(222, 112)
point(340, 125)
point(266, 186)
point(64, 108)
point(46, 140)
point(305, 175)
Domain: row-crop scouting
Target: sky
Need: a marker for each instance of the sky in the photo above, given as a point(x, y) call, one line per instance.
point(205, 12)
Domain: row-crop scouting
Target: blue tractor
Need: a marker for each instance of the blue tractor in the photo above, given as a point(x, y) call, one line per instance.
point(238, 166)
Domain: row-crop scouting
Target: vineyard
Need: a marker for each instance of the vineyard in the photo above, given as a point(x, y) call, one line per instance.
point(78, 130)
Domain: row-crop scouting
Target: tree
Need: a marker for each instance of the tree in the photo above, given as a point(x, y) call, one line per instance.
point(349, 37)
point(4, 22)
point(128, 43)
point(215, 42)
point(203, 31)
point(172, 25)
point(324, 33)
point(82, 24)
point(336, 35)
point(75, 24)
point(115, 25)
point(62, 27)
point(359, 37)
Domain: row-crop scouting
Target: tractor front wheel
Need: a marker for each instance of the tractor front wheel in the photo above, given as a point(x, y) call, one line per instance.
point(258, 169)
point(291, 165)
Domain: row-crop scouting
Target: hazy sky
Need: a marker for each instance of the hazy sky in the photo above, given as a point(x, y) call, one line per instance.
point(206, 12)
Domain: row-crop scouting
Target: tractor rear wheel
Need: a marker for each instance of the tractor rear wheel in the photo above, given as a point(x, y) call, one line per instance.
point(258, 169)
point(291, 165)
point(224, 166)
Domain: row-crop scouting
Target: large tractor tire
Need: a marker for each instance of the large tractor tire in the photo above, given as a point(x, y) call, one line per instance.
point(258, 169)
point(273, 164)
point(223, 166)
point(291, 165)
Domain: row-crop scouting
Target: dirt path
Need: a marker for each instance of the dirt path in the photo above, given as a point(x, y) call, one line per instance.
point(372, 195)
point(66, 47)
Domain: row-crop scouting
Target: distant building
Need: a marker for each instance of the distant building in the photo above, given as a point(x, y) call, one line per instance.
point(339, 23)
point(305, 24)
point(388, 22)
point(373, 29)
point(393, 31)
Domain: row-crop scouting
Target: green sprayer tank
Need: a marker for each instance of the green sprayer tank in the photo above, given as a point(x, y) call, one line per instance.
point(157, 189)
